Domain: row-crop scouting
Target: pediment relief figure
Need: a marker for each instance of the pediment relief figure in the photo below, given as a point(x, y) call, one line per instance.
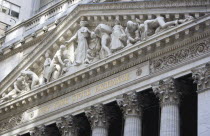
point(58, 64)
point(118, 37)
point(81, 37)
point(157, 25)
point(20, 85)
point(132, 31)
point(91, 45)
point(31, 78)
point(103, 31)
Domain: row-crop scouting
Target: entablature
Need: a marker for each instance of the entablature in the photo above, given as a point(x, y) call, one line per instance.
point(144, 49)
point(141, 51)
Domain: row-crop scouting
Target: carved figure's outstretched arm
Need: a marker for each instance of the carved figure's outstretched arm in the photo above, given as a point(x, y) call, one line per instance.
point(73, 38)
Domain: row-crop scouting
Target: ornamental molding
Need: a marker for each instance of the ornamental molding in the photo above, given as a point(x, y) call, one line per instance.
point(143, 5)
point(131, 54)
point(197, 48)
point(21, 47)
point(50, 36)
point(11, 122)
point(131, 64)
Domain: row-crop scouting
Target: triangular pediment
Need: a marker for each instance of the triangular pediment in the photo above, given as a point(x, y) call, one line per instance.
point(71, 49)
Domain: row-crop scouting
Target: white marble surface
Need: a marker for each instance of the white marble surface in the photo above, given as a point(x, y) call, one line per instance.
point(132, 126)
point(170, 125)
point(204, 113)
point(100, 131)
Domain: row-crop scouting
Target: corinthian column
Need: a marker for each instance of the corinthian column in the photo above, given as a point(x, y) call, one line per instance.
point(132, 114)
point(201, 76)
point(98, 120)
point(67, 126)
point(169, 102)
point(38, 131)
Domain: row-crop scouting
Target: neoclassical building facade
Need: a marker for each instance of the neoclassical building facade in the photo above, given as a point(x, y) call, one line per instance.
point(122, 68)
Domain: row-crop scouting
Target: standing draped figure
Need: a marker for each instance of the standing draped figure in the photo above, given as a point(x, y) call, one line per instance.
point(118, 37)
point(81, 37)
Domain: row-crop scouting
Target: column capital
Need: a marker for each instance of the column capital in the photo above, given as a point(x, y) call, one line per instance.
point(167, 91)
point(129, 104)
point(201, 77)
point(38, 131)
point(67, 125)
point(97, 116)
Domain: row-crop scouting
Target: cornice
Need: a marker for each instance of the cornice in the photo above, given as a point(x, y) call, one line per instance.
point(140, 47)
point(134, 63)
point(119, 6)
point(135, 52)
point(35, 16)
point(22, 47)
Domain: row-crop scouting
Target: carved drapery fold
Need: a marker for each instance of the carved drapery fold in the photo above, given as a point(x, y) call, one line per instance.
point(167, 91)
point(201, 77)
point(38, 131)
point(92, 45)
point(67, 126)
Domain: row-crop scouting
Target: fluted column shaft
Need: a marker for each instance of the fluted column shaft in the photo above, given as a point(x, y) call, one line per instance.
point(170, 120)
point(132, 126)
point(169, 100)
point(132, 113)
point(98, 120)
point(100, 131)
point(201, 77)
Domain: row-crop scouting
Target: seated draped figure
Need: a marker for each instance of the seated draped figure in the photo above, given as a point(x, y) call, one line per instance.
point(91, 46)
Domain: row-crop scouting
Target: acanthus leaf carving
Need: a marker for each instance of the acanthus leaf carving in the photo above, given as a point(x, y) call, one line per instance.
point(11, 122)
point(67, 126)
point(201, 77)
point(97, 116)
point(167, 91)
point(130, 104)
point(181, 55)
point(38, 131)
